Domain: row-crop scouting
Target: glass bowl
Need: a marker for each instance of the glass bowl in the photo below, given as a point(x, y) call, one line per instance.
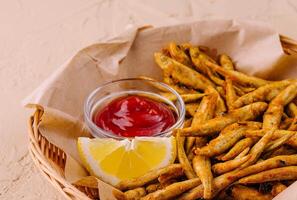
point(110, 91)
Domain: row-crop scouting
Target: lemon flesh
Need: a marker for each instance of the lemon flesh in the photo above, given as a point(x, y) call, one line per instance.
point(112, 160)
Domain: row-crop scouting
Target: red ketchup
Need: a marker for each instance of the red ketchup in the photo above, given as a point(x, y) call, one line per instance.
point(131, 116)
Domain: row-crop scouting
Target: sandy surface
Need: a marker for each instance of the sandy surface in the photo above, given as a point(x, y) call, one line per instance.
point(38, 36)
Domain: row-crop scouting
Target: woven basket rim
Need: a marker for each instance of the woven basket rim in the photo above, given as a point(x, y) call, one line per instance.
point(50, 160)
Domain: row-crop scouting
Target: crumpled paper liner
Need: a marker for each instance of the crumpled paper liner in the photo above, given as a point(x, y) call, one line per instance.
point(254, 47)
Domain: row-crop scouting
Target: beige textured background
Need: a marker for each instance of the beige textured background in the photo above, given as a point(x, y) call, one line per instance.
point(38, 36)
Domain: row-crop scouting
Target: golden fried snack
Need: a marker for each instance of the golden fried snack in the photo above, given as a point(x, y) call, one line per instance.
point(230, 93)
point(251, 124)
point(221, 91)
point(187, 122)
point(186, 97)
point(185, 75)
point(272, 117)
point(171, 174)
point(190, 155)
point(220, 106)
point(293, 126)
point(243, 89)
point(229, 136)
point(146, 178)
point(220, 183)
point(194, 53)
point(119, 195)
point(217, 124)
point(192, 97)
point(231, 96)
point(271, 163)
point(278, 174)
point(260, 133)
point(243, 153)
point(238, 148)
point(178, 88)
point(286, 123)
point(182, 157)
point(278, 142)
point(190, 141)
point(259, 160)
point(292, 141)
point(283, 150)
point(191, 108)
point(173, 190)
point(292, 109)
point(226, 62)
point(220, 129)
point(237, 76)
point(277, 188)
point(182, 89)
point(206, 109)
point(239, 90)
point(240, 192)
point(202, 167)
point(205, 112)
point(135, 194)
point(152, 187)
point(219, 157)
point(154, 83)
point(210, 73)
point(168, 182)
point(223, 181)
point(259, 147)
point(185, 46)
point(221, 168)
point(199, 58)
point(263, 93)
point(182, 73)
point(200, 141)
point(178, 54)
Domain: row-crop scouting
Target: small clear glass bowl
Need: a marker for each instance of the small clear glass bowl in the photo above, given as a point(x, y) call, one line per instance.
point(110, 91)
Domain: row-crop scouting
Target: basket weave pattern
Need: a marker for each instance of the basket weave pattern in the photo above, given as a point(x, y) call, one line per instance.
point(50, 160)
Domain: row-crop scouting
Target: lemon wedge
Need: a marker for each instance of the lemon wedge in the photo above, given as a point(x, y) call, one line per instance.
point(112, 160)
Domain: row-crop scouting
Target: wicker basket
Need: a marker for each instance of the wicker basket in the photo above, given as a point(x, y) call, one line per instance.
point(51, 160)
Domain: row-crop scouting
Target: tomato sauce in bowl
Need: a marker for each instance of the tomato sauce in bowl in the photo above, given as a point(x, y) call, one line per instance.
point(133, 107)
point(134, 115)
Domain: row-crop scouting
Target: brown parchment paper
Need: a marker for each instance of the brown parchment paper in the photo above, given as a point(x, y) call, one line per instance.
point(253, 46)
